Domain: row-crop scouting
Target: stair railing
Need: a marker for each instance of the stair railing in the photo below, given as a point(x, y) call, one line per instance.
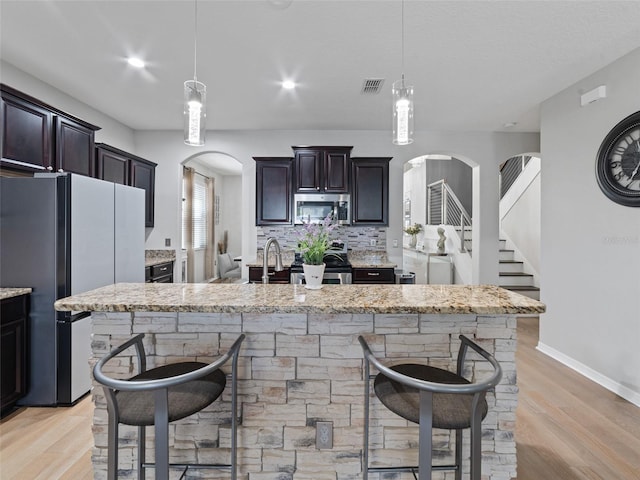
point(444, 208)
point(510, 170)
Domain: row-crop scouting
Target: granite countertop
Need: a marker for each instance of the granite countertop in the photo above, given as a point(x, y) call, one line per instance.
point(156, 257)
point(357, 258)
point(13, 292)
point(331, 299)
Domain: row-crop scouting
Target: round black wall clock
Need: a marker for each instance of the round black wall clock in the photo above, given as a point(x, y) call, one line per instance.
point(618, 162)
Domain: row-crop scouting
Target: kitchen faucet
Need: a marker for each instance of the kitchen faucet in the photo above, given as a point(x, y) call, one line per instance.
point(265, 259)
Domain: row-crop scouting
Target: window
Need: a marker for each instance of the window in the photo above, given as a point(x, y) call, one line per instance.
point(199, 212)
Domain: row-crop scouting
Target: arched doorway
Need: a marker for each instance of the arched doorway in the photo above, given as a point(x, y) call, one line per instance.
point(211, 216)
point(428, 179)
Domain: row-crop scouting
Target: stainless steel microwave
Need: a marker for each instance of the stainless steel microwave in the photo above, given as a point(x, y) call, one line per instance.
point(314, 207)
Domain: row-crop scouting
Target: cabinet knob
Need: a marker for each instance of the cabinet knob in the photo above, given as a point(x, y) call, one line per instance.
point(50, 168)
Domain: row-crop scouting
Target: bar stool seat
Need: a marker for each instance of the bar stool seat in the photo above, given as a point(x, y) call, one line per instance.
point(185, 399)
point(450, 411)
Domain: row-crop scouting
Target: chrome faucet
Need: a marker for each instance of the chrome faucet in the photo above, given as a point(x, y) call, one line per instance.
point(265, 260)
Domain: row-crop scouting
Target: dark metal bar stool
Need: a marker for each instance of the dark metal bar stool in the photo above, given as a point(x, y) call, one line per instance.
point(162, 395)
point(433, 398)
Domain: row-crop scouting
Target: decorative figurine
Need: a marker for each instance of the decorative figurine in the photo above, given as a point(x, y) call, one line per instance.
point(441, 240)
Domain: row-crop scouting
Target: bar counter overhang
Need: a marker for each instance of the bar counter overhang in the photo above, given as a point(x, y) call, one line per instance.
point(301, 363)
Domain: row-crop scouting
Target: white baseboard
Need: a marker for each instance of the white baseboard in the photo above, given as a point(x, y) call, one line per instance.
point(606, 382)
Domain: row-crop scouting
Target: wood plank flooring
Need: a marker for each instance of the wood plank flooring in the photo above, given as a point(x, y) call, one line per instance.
point(568, 428)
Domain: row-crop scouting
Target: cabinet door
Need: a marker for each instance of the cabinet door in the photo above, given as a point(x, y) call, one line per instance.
point(26, 135)
point(74, 147)
point(308, 170)
point(273, 191)
point(112, 167)
point(370, 191)
point(374, 275)
point(13, 347)
point(336, 172)
point(142, 175)
point(255, 275)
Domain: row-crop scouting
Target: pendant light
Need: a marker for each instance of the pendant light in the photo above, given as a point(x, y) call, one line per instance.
point(402, 104)
point(195, 100)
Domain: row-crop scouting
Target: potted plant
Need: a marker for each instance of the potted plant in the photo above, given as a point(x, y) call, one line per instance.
point(313, 244)
point(413, 230)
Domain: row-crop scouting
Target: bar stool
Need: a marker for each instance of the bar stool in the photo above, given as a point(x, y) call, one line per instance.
point(162, 395)
point(433, 398)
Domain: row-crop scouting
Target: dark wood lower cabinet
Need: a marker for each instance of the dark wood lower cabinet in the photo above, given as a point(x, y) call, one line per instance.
point(160, 273)
point(255, 275)
point(14, 314)
point(374, 275)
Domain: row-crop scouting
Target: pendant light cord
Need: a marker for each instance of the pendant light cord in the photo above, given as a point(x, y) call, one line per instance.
point(402, 23)
point(195, 43)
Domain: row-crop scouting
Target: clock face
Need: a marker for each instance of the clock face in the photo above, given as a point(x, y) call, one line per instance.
point(618, 162)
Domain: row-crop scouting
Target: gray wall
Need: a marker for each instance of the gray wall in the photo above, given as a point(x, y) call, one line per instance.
point(590, 247)
point(458, 175)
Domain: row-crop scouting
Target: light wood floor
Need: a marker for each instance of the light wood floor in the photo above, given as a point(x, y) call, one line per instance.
point(568, 428)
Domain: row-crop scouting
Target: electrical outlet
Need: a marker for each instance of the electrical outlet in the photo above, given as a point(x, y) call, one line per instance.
point(372, 242)
point(324, 435)
point(395, 243)
point(167, 242)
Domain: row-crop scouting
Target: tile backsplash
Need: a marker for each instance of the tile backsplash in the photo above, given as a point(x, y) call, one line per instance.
point(358, 238)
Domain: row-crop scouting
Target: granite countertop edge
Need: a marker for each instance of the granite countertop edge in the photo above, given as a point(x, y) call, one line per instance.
point(274, 299)
point(11, 292)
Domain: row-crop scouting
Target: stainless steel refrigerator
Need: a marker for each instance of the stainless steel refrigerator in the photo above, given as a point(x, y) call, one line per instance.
point(63, 234)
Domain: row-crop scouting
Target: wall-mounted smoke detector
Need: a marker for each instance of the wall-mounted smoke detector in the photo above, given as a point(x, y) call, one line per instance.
point(371, 86)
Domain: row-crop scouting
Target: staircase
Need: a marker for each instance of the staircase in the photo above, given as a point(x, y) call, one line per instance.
point(443, 207)
point(511, 274)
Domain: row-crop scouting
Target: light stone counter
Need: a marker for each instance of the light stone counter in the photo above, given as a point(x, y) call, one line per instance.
point(301, 363)
point(6, 293)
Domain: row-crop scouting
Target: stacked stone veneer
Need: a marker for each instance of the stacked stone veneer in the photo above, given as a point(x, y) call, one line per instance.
point(296, 370)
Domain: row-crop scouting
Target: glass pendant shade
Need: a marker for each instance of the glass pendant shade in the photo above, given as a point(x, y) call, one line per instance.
point(195, 112)
point(402, 113)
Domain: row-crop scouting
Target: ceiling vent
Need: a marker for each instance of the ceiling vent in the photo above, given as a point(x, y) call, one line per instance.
point(371, 86)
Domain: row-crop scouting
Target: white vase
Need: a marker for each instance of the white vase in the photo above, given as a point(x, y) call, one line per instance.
point(313, 276)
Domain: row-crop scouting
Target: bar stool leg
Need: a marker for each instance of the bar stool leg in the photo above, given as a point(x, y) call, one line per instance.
point(476, 446)
point(424, 437)
point(365, 448)
point(141, 452)
point(112, 448)
point(162, 433)
point(458, 454)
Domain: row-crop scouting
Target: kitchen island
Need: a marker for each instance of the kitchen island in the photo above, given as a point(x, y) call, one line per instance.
point(301, 363)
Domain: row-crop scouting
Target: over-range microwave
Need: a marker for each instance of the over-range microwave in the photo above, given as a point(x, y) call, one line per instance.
point(314, 207)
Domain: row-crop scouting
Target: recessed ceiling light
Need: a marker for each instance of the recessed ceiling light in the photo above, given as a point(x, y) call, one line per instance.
point(510, 124)
point(135, 62)
point(288, 84)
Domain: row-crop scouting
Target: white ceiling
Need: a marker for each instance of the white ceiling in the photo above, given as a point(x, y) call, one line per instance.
point(475, 65)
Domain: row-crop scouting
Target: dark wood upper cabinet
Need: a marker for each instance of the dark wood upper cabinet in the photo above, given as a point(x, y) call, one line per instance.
point(370, 191)
point(111, 165)
point(26, 134)
point(118, 166)
point(274, 199)
point(38, 137)
point(322, 169)
point(74, 147)
point(142, 175)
